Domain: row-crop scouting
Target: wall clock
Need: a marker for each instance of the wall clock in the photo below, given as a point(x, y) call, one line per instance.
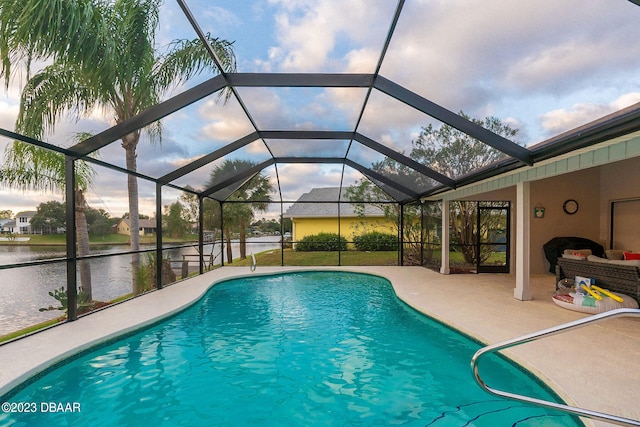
point(570, 206)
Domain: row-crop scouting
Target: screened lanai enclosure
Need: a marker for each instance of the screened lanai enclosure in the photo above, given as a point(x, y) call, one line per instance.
point(224, 133)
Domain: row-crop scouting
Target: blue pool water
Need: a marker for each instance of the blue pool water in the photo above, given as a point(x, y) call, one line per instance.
point(299, 349)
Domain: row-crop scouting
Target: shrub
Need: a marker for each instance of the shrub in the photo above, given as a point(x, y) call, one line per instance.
point(376, 241)
point(146, 273)
point(322, 242)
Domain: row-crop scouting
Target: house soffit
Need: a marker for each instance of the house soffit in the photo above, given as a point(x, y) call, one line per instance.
point(611, 151)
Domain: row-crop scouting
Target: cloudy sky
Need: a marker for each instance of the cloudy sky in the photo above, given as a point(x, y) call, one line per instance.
point(544, 67)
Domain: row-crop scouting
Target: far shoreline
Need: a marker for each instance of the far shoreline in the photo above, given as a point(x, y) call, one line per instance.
point(62, 243)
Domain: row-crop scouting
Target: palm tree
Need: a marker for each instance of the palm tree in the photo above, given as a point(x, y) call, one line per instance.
point(237, 215)
point(104, 55)
point(27, 167)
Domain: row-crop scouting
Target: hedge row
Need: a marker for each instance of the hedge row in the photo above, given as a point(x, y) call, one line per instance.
point(322, 242)
point(376, 241)
point(372, 241)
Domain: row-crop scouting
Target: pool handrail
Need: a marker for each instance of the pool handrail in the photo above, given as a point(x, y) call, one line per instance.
point(621, 312)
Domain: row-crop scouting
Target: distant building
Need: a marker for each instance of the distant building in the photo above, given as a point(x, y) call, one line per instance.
point(314, 213)
point(7, 225)
point(23, 222)
point(147, 227)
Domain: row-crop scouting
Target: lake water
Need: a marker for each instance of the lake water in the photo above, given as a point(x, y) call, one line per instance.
point(24, 290)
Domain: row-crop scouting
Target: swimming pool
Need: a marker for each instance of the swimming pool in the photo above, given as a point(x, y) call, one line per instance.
point(313, 348)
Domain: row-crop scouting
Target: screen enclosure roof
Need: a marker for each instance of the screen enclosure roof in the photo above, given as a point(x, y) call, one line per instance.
point(329, 93)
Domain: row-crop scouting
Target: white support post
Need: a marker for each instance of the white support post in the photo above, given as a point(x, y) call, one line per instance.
point(294, 233)
point(522, 290)
point(444, 268)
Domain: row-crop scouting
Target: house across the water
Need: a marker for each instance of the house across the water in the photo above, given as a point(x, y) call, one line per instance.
point(147, 227)
point(317, 212)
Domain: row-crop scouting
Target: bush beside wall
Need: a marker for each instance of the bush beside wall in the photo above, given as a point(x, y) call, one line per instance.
point(322, 242)
point(376, 241)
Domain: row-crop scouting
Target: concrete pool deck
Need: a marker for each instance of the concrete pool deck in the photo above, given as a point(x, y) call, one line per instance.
point(595, 367)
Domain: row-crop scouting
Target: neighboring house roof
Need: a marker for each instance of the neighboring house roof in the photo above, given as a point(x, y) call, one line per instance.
point(27, 214)
point(305, 206)
point(144, 223)
point(8, 223)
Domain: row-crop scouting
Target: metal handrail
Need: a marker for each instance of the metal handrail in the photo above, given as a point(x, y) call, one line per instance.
point(253, 262)
point(621, 312)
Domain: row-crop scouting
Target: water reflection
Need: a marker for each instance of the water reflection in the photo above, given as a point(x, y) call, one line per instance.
point(24, 290)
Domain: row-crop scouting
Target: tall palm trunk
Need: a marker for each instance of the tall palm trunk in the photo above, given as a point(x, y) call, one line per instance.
point(82, 235)
point(129, 143)
point(243, 239)
point(227, 237)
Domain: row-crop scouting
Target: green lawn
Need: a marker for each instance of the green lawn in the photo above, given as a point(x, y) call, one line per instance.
point(30, 329)
point(291, 257)
point(457, 257)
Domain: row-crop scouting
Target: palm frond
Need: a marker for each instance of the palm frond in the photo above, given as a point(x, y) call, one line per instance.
point(188, 58)
point(28, 167)
point(59, 29)
point(48, 95)
point(133, 24)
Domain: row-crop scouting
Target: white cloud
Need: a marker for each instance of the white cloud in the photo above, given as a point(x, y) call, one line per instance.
point(227, 128)
point(259, 150)
point(220, 17)
point(265, 106)
point(448, 53)
point(317, 35)
point(348, 101)
point(568, 65)
point(303, 108)
point(391, 122)
point(626, 100)
point(19, 201)
point(178, 163)
point(223, 122)
point(362, 60)
point(462, 59)
point(8, 115)
point(489, 63)
point(296, 179)
point(561, 120)
point(306, 50)
point(196, 179)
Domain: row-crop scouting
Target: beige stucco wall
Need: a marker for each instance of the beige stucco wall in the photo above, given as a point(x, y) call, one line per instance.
point(594, 189)
point(349, 226)
point(551, 193)
point(618, 181)
point(123, 228)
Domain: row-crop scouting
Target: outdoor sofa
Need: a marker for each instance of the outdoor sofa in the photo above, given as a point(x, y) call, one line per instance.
point(612, 273)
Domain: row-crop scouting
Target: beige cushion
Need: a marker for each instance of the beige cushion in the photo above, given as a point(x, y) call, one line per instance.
point(614, 254)
point(634, 262)
point(594, 258)
point(577, 257)
point(583, 252)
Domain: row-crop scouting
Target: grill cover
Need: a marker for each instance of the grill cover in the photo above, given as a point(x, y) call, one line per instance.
point(555, 247)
